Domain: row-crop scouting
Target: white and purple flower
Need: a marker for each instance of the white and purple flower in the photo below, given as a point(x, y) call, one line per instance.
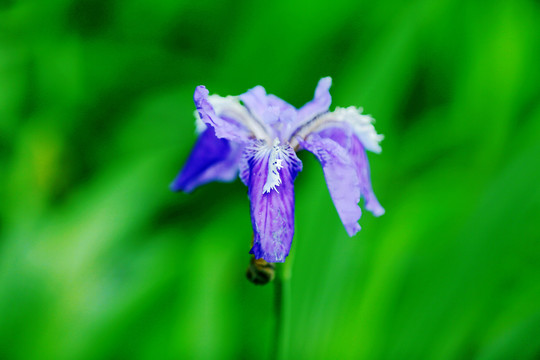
point(256, 135)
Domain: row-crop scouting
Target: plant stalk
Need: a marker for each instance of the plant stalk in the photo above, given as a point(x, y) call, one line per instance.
point(282, 307)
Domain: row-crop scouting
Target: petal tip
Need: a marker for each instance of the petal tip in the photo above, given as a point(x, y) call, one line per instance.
point(200, 97)
point(174, 187)
point(377, 210)
point(201, 91)
point(181, 185)
point(259, 253)
point(353, 229)
point(327, 80)
point(323, 87)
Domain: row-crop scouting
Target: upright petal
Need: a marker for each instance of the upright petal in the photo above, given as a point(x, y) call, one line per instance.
point(228, 117)
point(341, 178)
point(319, 105)
point(211, 159)
point(269, 173)
point(275, 114)
point(266, 107)
point(255, 100)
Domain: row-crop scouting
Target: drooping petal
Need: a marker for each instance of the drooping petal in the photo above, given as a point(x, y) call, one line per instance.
point(358, 153)
point(269, 173)
point(228, 117)
point(346, 168)
point(354, 132)
point(341, 178)
point(211, 159)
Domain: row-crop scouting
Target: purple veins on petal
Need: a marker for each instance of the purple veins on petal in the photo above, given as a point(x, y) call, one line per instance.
point(211, 159)
point(272, 212)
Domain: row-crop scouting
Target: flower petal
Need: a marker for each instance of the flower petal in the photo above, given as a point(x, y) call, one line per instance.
point(348, 138)
point(229, 118)
point(350, 118)
point(275, 114)
point(266, 107)
point(211, 159)
point(346, 169)
point(255, 100)
point(319, 105)
point(358, 153)
point(341, 178)
point(269, 173)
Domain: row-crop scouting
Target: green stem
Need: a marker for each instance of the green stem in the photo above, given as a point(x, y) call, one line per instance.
point(282, 306)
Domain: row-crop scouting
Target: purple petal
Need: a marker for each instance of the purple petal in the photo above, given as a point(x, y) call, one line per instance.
point(266, 107)
point(211, 159)
point(341, 178)
point(226, 127)
point(346, 169)
point(272, 200)
point(319, 105)
point(255, 100)
point(340, 133)
point(286, 110)
point(275, 114)
point(359, 155)
point(347, 138)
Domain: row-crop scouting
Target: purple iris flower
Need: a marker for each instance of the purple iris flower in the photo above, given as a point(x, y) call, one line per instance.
point(257, 135)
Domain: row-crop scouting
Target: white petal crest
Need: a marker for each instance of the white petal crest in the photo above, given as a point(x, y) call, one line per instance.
point(360, 124)
point(273, 179)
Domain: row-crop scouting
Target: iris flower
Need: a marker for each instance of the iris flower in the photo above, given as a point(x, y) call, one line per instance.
point(256, 136)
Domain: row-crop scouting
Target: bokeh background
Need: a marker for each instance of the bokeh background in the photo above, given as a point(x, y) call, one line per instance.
point(99, 260)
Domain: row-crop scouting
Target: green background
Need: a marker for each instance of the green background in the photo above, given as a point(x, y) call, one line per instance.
point(99, 260)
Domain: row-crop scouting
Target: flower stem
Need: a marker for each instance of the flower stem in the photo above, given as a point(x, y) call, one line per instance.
point(282, 306)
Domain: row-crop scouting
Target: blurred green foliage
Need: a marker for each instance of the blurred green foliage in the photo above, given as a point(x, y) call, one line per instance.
point(98, 260)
